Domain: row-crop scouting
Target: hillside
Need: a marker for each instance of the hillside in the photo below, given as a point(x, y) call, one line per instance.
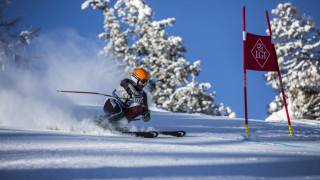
point(213, 148)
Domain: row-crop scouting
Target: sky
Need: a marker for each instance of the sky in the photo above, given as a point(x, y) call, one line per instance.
point(211, 30)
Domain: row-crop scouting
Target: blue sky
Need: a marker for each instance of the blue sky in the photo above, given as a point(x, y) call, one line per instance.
point(211, 30)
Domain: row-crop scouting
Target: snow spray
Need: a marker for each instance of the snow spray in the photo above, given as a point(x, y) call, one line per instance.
point(28, 97)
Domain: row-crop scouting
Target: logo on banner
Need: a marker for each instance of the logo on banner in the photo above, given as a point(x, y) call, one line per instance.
point(260, 53)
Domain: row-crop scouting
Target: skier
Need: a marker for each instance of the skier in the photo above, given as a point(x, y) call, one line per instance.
point(129, 101)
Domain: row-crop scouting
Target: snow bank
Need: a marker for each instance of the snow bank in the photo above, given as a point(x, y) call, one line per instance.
point(278, 116)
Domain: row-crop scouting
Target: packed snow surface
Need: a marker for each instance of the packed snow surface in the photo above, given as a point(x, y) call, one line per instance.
point(213, 148)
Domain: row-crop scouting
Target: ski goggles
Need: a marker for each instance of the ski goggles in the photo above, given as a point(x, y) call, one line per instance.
point(144, 82)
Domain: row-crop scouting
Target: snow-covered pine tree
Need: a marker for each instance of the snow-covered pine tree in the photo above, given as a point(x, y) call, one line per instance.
point(137, 41)
point(193, 98)
point(12, 43)
point(297, 43)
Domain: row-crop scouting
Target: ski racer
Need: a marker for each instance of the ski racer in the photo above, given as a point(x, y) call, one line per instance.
point(129, 101)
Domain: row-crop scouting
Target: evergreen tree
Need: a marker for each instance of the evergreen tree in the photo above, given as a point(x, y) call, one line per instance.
point(193, 98)
point(12, 43)
point(297, 43)
point(137, 41)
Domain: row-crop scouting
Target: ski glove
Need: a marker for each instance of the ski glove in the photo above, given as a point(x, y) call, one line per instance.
point(146, 116)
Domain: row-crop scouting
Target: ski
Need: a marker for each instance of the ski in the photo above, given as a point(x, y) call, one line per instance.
point(143, 134)
point(172, 133)
point(153, 134)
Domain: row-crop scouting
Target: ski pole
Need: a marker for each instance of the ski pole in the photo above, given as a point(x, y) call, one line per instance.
point(84, 92)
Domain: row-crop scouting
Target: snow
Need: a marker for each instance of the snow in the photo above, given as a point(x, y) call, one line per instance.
point(213, 148)
point(143, 8)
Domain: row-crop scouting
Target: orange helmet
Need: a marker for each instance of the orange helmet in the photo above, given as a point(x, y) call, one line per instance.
point(140, 74)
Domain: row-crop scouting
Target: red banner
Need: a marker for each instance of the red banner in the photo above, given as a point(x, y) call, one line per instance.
point(260, 53)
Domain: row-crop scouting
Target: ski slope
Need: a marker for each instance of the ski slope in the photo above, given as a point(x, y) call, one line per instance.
point(213, 148)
